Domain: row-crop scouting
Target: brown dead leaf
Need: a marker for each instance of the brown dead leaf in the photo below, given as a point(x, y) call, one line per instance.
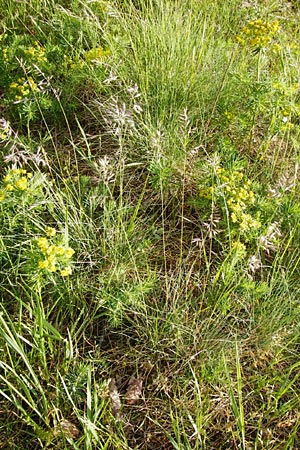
point(68, 428)
point(134, 390)
point(114, 397)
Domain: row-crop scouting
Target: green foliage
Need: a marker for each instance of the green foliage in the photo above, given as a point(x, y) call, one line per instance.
point(149, 224)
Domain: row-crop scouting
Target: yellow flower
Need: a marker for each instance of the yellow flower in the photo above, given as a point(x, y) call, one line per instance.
point(240, 40)
point(2, 196)
point(238, 247)
point(32, 84)
point(52, 268)
point(9, 187)
point(44, 264)
point(50, 232)
point(98, 54)
point(59, 250)
point(234, 217)
point(43, 244)
point(259, 34)
point(51, 250)
point(66, 271)
point(69, 252)
point(21, 183)
point(248, 223)
point(7, 178)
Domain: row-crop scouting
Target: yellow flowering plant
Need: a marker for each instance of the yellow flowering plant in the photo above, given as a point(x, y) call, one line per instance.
point(96, 54)
point(259, 34)
point(34, 71)
point(53, 256)
point(239, 198)
point(23, 88)
point(22, 198)
point(15, 182)
point(234, 194)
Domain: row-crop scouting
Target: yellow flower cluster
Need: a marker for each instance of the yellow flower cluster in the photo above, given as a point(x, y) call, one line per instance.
point(96, 54)
point(239, 198)
point(70, 63)
point(55, 257)
point(4, 50)
point(259, 34)
point(239, 249)
point(22, 87)
point(5, 55)
point(229, 117)
point(207, 192)
point(36, 53)
point(15, 180)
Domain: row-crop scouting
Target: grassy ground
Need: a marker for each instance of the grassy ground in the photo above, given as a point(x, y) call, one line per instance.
point(149, 221)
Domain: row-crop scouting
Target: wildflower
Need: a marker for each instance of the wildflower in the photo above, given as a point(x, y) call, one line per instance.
point(96, 54)
point(36, 53)
point(52, 268)
point(44, 264)
point(69, 252)
point(2, 196)
point(7, 178)
point(66, 271)
point(51, 250)
point(21, 88)
point(239, 248)
point(248, 222)
point(50, 232)
point(5, 56)
point(229, 117)
point(240, 40)
point(239, 198)
point(234, 217)
point(17, 171)
point(21, 184)
point(32, 84)
point(56, 256)
point(48, 263)
point(276, 48)
point(259, 34)
point(43, 244)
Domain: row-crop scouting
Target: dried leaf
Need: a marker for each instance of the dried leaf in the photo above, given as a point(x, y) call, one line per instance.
point(134, 390)
point(68, 428)
point(114, 397)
